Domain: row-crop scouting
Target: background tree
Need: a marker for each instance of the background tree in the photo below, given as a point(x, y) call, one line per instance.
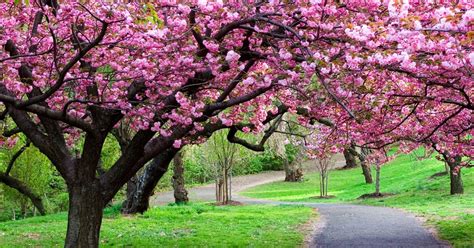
point(180, 192)
point(350, 158)
point(324, 165)
point(221, 156)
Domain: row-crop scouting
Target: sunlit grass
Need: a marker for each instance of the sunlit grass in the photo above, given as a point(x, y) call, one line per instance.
point(174, 226)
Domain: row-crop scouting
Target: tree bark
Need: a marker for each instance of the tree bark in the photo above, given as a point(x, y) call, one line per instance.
point(23, 189)
point(85, 215)
point(141, 188)
point(180, 192)
point(350, 160)
point(377, 180)
point(365, 166)
point(292, 171)
point(456, 184)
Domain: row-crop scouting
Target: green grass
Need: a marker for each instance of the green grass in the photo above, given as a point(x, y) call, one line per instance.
point(408, 178)
point(174, 226)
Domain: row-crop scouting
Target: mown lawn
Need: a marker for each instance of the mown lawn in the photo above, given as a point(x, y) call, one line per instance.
point(409, 179)
point(174, 226)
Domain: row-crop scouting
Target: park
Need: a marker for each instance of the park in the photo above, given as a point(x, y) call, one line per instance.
point(320, 123)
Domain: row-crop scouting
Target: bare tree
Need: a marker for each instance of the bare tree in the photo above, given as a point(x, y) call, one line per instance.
point(221, 155)
point(324, 165)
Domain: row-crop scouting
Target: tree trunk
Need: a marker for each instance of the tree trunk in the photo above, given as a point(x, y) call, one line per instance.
point(292, 171)
point(456, 184)
point(85, 215)
point(377, 180)
point(180, 193)
point(327, 185)
point(23, 189)
point(367, 173)
point(365, 166)
point(141, 189)
point(350, 159)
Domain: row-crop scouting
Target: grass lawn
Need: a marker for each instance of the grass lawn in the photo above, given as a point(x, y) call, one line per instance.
point(174, 226)
point(408, 178)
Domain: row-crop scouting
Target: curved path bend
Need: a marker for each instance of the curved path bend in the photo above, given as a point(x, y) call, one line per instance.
point(340, 225)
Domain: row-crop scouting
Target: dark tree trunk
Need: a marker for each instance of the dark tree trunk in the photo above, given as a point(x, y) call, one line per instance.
point(350, 159)
point(180, 192)
point(23, 189)
point(141, 189)
point(85, 215)
point(456, 184)
point(367, 172)
point(292, 171)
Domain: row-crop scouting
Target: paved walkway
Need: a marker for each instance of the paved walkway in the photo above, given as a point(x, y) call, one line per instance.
point(340, 225)
point(208, 192)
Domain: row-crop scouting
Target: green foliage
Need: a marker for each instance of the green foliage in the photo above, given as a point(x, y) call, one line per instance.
point(110, 152)
point(270, 160)
point(36, 171)
point(198, 168)
point(173, 226)
point(409, 179)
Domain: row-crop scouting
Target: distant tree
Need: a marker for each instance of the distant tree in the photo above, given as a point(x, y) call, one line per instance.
point(180, 192)
point(350, 159)
point(377, 167)
point(324, 165)
point(362, 155)
point(221, 156)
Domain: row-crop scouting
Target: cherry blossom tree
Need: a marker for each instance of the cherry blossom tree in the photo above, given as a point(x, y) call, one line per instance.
point(380, 71)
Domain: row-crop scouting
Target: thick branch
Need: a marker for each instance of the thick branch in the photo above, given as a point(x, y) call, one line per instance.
point(23, 189)
point(16, 156)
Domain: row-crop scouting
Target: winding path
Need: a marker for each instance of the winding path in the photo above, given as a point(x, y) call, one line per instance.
point(340, 225)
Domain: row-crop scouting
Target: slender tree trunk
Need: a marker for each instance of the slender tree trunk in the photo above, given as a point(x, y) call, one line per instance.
point(365, 166)
point(85, 215)
point(377, 180)
point(180, 193)
point(350, 159)
point(456, 183)
point(141, 189)
point(367, 173)
point(327, 184)
point(321, 185)
point(224, 188)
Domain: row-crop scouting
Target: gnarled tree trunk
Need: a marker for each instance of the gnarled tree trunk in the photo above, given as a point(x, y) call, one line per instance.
point(365, 166)
point(180, 192)
point(85, 215)
point(367, 172)
point(363, 162)
point(140, 189)
point(456, 184)
point(350, 159)
point(293, 172)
